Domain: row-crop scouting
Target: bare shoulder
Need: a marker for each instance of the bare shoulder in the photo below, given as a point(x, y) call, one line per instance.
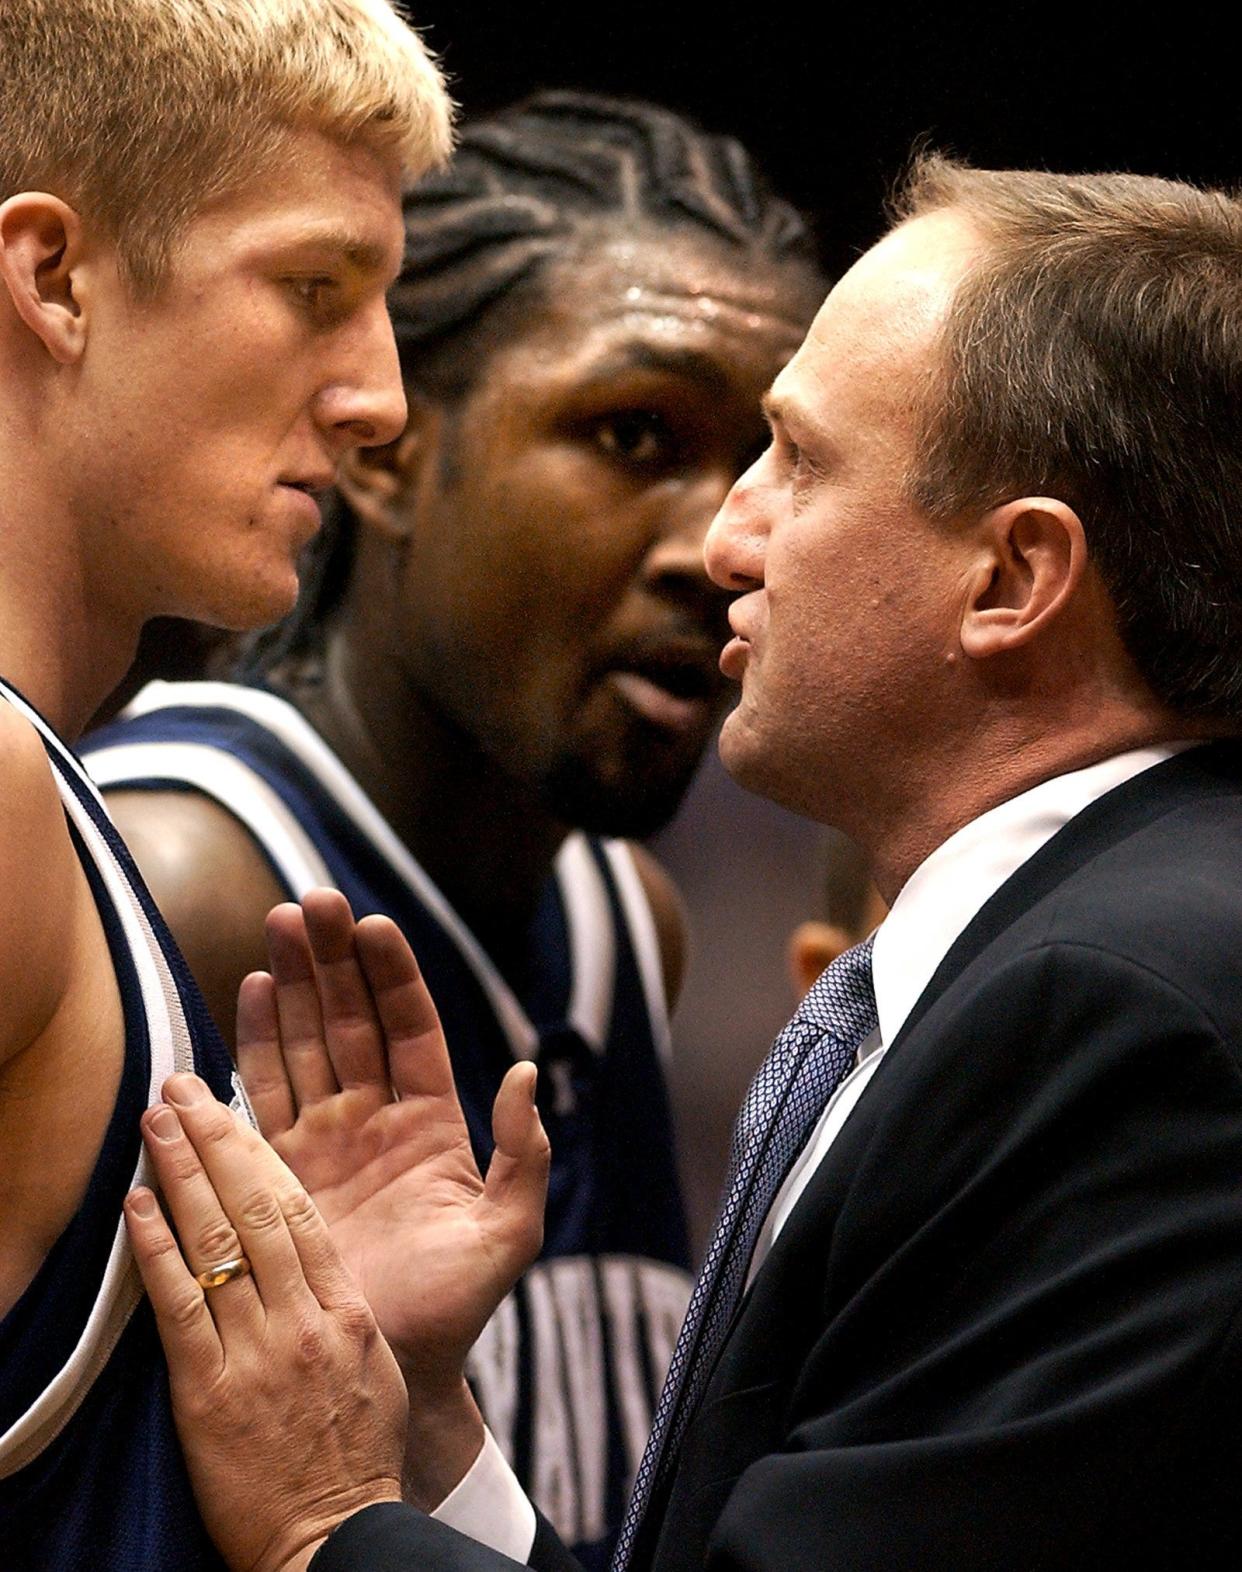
point(24, 763)
point(38, 874)
point(669, 914)
point(209, 879)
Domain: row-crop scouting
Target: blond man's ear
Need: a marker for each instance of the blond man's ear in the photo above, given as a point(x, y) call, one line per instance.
point(43, 246)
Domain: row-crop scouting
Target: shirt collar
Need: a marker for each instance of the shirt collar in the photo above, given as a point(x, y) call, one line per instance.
point(957, 880)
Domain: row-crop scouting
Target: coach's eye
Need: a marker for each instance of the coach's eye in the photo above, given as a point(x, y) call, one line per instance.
point(797, 465)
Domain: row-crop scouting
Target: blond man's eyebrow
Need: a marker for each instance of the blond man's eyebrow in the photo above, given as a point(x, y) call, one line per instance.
point(360, 252)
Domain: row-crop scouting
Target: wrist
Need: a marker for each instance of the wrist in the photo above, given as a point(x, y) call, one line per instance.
point(301, 1560)
point(444, 1438)
point(302, 1540)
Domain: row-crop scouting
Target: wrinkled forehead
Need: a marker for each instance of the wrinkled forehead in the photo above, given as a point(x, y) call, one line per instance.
point(642, 271)
point(666, 296)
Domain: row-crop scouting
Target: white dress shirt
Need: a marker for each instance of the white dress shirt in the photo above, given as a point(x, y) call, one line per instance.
point(936, 904)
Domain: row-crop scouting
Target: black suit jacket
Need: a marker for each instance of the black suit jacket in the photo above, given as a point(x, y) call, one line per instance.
point(1001, 1327)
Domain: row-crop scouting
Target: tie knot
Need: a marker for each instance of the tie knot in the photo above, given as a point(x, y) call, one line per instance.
point(842, 997)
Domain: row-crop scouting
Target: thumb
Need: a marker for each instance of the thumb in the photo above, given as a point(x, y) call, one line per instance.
point(517, 1176)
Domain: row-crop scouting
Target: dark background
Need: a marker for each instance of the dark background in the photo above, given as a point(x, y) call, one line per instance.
point(834, 107)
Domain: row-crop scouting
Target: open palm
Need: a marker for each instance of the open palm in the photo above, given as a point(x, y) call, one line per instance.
point(344, 1061)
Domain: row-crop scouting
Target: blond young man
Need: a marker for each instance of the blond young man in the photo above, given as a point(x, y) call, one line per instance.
point(199, 216)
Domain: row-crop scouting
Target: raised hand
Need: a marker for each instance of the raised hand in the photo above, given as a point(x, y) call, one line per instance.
point(342, 1055)
point(288, 1403)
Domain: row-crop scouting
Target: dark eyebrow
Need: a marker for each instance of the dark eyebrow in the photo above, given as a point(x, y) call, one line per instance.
point(688, 363)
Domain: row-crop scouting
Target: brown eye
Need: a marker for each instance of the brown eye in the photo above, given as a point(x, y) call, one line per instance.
point(638, 436)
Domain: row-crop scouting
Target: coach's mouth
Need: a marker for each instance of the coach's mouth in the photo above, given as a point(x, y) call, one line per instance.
point(734, 656)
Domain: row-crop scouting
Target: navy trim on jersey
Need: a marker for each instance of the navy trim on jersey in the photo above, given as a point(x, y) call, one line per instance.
point(202, 1028)
point(41, 1331)
point(92, 1473)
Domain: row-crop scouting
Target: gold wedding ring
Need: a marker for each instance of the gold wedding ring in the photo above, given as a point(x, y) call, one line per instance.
point(223, 1272)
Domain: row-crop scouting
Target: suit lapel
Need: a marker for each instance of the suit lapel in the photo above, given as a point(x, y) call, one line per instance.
point(1200, 773)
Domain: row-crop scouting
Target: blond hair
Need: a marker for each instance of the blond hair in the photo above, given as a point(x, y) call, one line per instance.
point(138, 112)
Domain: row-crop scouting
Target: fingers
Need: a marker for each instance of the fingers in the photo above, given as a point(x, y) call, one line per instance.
point(288, 1423)
point(418, 1061)
point(228, 1194)
point(300, 1019)
point(186, 1328)
point(351, 1028)
point(208, 1236)
point(232, 1174)
point(260, 1062)
point(517, 1176)
point(327, 1025)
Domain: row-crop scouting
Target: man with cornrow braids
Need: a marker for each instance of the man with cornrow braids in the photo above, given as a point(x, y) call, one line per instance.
point(504, 657)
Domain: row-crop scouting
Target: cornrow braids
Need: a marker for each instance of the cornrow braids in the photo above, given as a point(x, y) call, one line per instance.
point(525, 181)
point(524, 187)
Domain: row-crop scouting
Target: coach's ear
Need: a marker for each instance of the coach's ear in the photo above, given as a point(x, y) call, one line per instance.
point(40, 254)
point(382, 485)
point(1032, 554)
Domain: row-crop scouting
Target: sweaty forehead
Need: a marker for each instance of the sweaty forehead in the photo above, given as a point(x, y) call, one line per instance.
point(672, 288)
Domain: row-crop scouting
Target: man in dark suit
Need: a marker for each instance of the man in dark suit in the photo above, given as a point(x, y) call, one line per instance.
point(989, 622)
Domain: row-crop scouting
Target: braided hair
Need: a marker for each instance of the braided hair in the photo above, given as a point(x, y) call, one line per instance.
point(522, 187)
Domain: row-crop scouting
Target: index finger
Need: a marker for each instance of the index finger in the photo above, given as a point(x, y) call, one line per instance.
point(280, 1228)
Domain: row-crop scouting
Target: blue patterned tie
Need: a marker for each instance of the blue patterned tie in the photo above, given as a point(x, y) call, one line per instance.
point(808, 1061)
